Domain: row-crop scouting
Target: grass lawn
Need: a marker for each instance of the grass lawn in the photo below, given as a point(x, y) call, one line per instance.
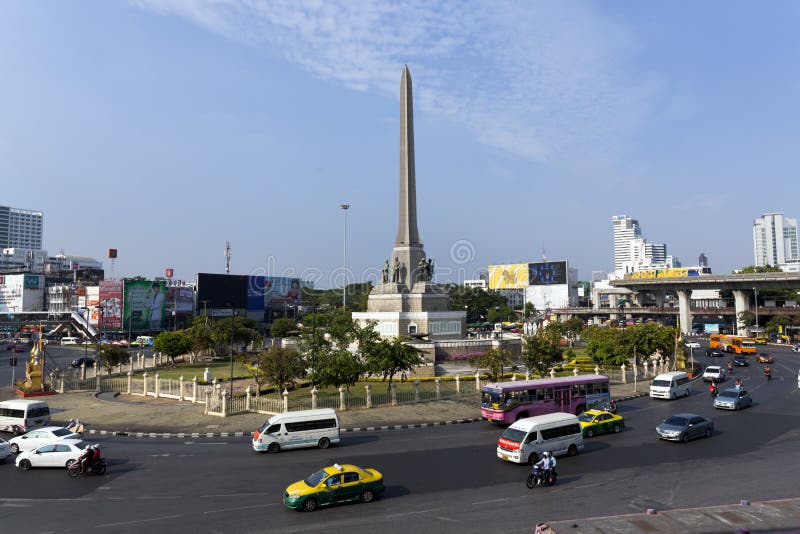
point(219, 369)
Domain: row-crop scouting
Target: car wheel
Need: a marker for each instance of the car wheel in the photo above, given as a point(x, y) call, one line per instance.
point(14, 448)
point(572, 450)
point(274, 448)
point(685, 437)
point(688, 391)
point(589, 433)
point(367, 495)
point(25, 465)
point(310, 504)
point(324, 443)
point(709, 431)
point(69, 463)
point(617, 429)
point(533, 458)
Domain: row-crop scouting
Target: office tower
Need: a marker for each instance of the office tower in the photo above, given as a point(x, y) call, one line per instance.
point(20, 228)
point(774, 240)
point(702, 260)
point(625, 230)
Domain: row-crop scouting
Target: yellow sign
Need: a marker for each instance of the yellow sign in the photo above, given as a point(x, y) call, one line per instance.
point(511, 276)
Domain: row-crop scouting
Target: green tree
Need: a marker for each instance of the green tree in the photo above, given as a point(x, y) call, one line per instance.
point(529, 310)
point(475, 301)
point(278, 365)
point(172, 344)
point(391, 356)
point(500, 314)
point(572, 329)
point(111, 356)
point(647, 338)
point(282, 326)
point(604, 345)
point(494, 360)
point(777, 324)
point(200, 335)
point(542, 349)
point(243, 331)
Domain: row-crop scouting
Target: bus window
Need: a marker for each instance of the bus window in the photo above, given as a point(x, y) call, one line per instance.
point(578, 390)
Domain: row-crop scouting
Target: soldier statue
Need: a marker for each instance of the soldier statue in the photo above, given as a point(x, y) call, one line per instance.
point(386, 272)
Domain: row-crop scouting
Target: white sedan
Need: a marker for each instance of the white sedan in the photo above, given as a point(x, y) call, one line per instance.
point(39, 437)
point(692, 345)
point(59, 454)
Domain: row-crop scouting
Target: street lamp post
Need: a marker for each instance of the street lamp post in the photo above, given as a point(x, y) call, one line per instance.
point(230, 350)
point(345, 207)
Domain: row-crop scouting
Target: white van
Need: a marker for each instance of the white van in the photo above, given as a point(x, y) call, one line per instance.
point(20, 415)
point(70, 341)
point(671, 385)
point(290, 430)
point(526, 440)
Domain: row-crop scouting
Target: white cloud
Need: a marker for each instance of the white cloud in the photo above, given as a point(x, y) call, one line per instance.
point(547, 81)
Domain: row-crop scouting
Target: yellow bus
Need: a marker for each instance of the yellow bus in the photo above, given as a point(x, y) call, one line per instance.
point(737, 344)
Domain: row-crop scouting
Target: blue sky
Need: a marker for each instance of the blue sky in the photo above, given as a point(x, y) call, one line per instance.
point(166, 127)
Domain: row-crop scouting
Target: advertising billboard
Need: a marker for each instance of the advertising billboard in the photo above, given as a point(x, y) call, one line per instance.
point(92, 301)
point(180, 299)
point(221, 291)
point(547, 273)
point(510, 276)
point(21, 293)
point(145, 303)
point(111, 302)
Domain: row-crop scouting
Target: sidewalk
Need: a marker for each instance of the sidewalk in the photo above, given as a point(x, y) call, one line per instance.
point(110, 414)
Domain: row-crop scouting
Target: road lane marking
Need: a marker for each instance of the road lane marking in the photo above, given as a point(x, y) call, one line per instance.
point(450, 519)
point(204, 443)
point(137, 521)
point(234, 495)
point(494, 500)
point(413, 513)
point(239, 508)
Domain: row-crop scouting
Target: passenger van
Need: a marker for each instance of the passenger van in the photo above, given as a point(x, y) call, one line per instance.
point(526, 440)
point(291, 430)
point(70, 340)
point(20, 415)
point(670, 385)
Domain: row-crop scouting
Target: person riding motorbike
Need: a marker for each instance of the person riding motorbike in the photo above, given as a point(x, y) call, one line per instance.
point(96, 454)
point(767, 372)
point(546, 465)
point(86, 460)
point(612, 406)
point(713, 389)
point(730, 366)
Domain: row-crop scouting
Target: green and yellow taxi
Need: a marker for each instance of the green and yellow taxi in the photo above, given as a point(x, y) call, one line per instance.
point(334, 484)
point(595, 422)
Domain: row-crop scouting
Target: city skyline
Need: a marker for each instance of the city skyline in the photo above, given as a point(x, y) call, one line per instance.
point(165, 129)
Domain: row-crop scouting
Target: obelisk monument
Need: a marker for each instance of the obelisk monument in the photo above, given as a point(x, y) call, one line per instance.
point(406, 302)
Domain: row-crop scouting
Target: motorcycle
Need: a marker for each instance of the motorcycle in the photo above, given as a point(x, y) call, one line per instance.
point(537, 478)
point(713, 390)
point(767, 374)
point(98, 468)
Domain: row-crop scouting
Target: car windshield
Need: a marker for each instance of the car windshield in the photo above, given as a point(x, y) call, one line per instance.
point(728, 393)
point(585, 417)
point(314, 480)
point(514, 434)
point(61, 432)
point(676, 421)
point(712, 369)
point(660, 383)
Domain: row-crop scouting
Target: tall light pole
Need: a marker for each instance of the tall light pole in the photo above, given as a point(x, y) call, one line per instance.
point(345, 207)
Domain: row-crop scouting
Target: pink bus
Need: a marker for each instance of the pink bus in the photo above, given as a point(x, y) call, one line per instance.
point(506, 402)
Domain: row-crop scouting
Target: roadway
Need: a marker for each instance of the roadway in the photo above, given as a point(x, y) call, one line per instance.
point(438, 480)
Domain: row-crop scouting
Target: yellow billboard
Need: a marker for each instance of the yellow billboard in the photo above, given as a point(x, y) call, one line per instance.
point(511, 276)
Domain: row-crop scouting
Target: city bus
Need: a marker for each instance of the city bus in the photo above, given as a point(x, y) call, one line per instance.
point(737, 344)
point(507, 402)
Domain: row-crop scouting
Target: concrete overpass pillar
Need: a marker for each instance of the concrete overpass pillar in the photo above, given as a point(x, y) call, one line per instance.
point(741, 300)
point(595, 299)
point(685, 310)
point(660, 297)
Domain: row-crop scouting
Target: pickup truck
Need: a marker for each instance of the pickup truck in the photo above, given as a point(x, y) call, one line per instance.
point(713, 373)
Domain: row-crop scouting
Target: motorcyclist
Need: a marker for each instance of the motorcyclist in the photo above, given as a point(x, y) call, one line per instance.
point(85, 460)
point(96, 454)
point(730, 366)
point(767, 372)
point(713, 389)
point(546, 464)
point(612, 407)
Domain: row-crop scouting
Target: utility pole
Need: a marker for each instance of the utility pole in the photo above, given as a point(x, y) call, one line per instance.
point(227, 257)
point(345, 207)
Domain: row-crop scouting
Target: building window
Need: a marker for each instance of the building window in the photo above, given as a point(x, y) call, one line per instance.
point(412, 328)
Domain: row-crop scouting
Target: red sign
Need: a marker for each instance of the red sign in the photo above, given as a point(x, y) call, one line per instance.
point(169, 272)
point(508, 445)
point(111, 302)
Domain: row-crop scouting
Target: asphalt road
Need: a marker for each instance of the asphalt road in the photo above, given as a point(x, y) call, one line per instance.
point(438, 480)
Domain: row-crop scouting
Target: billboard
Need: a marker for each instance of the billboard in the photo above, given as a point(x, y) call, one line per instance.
point(21, 293)
point(510, 276)
point(145, 303)
point(92, 301)
point(273, 291)
point(111, 302)
point(221, 291)
point(180, 299)
point(547, 273)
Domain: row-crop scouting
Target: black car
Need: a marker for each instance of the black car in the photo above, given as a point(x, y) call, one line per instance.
point(80, 361)
point(714, 353)
point(741, 361)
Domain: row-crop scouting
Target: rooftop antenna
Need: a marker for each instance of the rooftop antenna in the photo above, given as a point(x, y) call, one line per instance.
point(544, 256)
point(227, 257)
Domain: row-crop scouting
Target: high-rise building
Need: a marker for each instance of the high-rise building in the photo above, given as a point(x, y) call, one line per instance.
point(775, 240)
point(702, 261)
point(625, 230)
point(20, 228)
point(656, 253)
